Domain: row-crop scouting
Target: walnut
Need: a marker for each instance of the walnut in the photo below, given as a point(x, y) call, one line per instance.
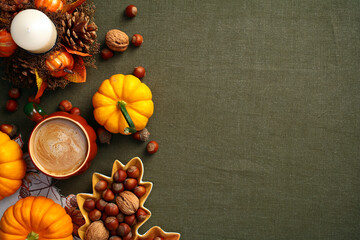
point(127, 202)
point(96, 231)
point(117, 40)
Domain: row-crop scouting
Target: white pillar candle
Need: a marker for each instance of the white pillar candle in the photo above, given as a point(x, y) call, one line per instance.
point(33, 31)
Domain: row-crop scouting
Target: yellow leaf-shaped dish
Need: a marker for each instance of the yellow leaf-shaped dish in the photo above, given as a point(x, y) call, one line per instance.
point(153, 232)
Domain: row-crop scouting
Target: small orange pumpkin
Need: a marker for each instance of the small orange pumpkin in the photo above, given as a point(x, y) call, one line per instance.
point(50, 5)
point(7, 44)
point(12, 166)
point(60, 63)
point(36, 218)
point(123, 104)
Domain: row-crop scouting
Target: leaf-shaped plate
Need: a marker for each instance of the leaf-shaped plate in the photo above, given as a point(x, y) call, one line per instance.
point(153, 232)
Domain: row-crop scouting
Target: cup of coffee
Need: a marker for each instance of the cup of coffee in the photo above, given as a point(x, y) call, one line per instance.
point(61, 145)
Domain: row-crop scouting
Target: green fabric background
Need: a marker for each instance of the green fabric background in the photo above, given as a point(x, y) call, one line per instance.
point(256, 113)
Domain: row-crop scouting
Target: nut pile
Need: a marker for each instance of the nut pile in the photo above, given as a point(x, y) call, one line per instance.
point(118, 209)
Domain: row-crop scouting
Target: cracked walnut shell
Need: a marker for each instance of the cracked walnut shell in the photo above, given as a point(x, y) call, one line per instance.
point(117, 40)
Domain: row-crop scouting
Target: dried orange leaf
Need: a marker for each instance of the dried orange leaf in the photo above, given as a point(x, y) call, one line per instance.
point(79, 71)
point(41, 85)
point(77, 52)
point(4, 20)
point(72, 6)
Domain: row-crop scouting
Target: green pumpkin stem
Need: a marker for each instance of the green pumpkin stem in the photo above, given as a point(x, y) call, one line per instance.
point(122, 106)
point(32, 236)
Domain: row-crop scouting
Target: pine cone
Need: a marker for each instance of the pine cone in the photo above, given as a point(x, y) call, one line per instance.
point(23, 72)
point(79, 34)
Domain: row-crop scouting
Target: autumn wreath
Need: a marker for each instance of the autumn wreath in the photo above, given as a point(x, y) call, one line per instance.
point(66, 61)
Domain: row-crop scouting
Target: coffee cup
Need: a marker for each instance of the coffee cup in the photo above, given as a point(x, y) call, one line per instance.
point(61, 145)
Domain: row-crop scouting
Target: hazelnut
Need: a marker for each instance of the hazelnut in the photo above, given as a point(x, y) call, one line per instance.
point(100, 204)
point(104, 216)
point(65, 105)
point(123, 229)
point(117, 187)
point(130, 183)
point(130, 220)
point(117, 40)
point(120, 175)
point(131, 11)
point(120, 217)
point(101, 185)
point(114, 233)
point(127, 202)
point(142, 135)
point(152, 147)
point(14, 93)
point(137, 40)
point(106, 53)
point(75, 111)
point(95, 215)
point(89, 204)
point(111, 223)
point(9, 129)
point(111, 209)
point(115, 238)
point(133, 172)
point(139, 72)
point(11, 105)
point(128, 237)
point(141, 215)
point(96, 231)
point(108, 195)
point(140, 191)
point(103, 135)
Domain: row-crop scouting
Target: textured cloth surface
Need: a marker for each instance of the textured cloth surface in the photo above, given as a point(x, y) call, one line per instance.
point(257, 114)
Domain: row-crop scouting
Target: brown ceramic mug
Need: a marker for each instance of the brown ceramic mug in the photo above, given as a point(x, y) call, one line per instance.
point(61, 145)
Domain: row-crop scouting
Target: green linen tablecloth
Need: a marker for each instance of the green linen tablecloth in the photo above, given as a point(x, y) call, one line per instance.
point(256, 113)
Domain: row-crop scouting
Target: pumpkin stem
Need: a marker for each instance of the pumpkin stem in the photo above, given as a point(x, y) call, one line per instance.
point(32, 236)
point(122, 106)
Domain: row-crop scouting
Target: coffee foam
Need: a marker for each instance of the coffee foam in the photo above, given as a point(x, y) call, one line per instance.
point(59, 146)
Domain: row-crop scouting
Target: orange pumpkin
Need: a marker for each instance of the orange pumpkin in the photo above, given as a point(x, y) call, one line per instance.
point(50, 5)
point(36, 218)
point(12, 166)
point(123, 104)
point(7, 44)
point(60, 63)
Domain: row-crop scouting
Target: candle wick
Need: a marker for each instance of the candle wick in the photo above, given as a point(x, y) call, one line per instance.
point(28, 29)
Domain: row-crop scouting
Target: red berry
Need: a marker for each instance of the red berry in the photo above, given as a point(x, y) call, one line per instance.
point(11, 105)
point(139, 72)
point(65, 105)
point(14, 93)
point(106, 53)
point(131, 11)
point(152, 147)
point(75, 111)
point(137, 40)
